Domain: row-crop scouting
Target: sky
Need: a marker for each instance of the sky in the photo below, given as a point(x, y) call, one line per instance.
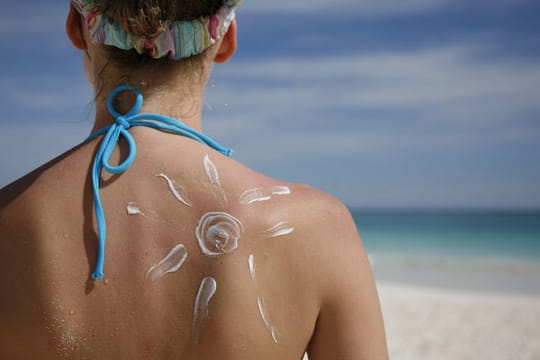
point(383, 104)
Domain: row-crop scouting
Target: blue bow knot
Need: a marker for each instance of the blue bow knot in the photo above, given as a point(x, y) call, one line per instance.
point(123, 122)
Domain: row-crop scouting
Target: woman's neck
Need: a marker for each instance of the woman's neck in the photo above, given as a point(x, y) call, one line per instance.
point(175, 89)
point(178, 101)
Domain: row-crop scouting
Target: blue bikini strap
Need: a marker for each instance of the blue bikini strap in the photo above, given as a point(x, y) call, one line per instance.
point(112, 134)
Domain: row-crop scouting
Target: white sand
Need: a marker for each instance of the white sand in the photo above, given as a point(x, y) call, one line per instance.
point(427, 323)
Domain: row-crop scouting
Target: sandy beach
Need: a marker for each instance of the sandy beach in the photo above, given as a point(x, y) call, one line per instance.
point(426, 323)
point(434, 323)
point(459, 309)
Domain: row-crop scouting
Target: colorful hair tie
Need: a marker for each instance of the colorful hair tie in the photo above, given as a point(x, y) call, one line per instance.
point(181, 40)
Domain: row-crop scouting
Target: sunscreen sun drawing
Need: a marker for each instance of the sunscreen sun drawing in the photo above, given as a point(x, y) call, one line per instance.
point(217, 233)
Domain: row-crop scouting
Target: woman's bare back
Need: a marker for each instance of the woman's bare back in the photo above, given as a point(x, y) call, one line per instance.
point(205, 259)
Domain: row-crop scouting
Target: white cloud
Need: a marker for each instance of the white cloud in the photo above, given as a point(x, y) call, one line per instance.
point(453, 79)
point(47, 94)
point(358, 7)
point(369, 8)
point(440, 98)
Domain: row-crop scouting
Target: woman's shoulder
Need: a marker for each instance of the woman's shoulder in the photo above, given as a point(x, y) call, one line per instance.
point(317, 223)
point(325, 221)
point(36, 198)
point(309, 207)
point(41, 177)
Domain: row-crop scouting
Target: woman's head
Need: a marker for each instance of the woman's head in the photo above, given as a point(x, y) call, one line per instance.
point(143, 18)
point(125, 39)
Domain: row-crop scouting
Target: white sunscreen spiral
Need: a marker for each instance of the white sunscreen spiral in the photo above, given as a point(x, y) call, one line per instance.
point(207, 289)
point(170, 263)
point(218, 233)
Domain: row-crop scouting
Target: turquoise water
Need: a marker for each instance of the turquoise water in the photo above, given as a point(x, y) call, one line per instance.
point(510, 236)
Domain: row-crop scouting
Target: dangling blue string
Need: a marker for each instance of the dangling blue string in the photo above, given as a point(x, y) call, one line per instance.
point(112, 133)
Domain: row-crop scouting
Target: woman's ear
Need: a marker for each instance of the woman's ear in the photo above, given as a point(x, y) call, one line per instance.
point(228, 45)
point(74, 29)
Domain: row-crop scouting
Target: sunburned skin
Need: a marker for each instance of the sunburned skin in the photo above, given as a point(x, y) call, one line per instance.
point(218, 233)
point(178, 192)
point(207, 289)
point(213, 177)
point(266, 319)
point(282, 228)
point(170, 263)
point(133, 209)
point(259, 194)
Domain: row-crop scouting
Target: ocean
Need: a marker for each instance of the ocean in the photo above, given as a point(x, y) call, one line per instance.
point(497, 251)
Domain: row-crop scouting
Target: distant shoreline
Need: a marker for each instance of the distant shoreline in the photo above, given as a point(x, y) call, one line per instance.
point(498, 275)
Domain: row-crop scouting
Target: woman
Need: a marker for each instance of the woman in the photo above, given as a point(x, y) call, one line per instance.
point(148, 241)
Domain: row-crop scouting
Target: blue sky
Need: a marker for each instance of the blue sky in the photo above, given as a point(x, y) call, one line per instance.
point(410, 103)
